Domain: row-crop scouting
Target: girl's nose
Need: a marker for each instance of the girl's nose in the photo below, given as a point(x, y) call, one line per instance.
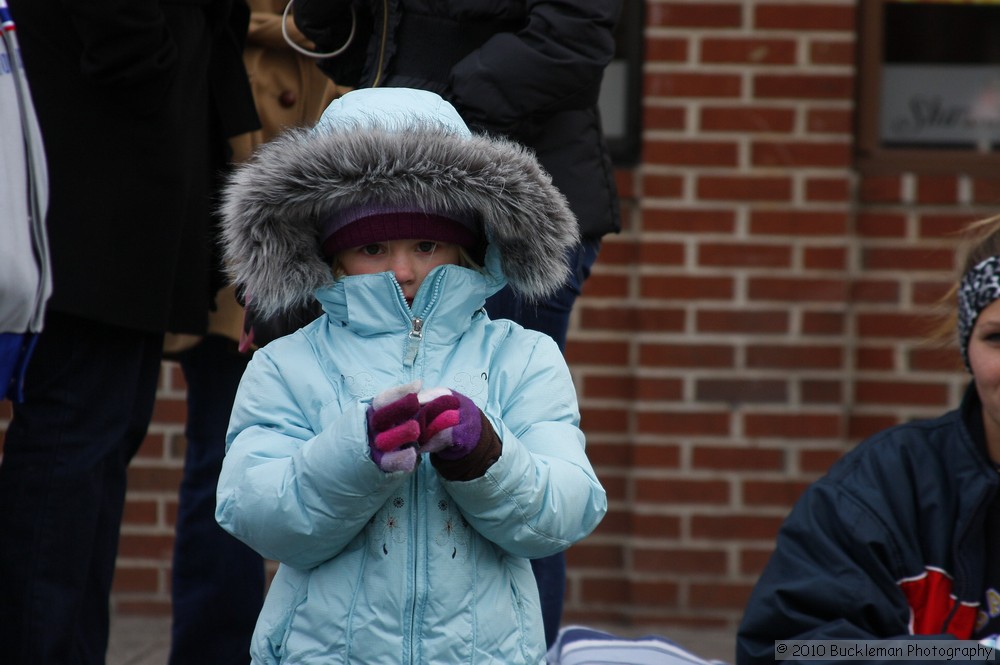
point(402, 268)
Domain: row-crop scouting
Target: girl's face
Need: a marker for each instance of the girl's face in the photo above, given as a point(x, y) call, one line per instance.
point(408, 260)
point(984, 360)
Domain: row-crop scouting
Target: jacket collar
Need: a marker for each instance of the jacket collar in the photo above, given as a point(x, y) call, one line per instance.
point(373, 304)
point(972, 432)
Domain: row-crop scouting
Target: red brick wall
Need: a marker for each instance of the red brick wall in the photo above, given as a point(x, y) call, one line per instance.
point(762, 310)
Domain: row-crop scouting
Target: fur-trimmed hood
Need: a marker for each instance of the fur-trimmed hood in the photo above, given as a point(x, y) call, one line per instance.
point(392, 146)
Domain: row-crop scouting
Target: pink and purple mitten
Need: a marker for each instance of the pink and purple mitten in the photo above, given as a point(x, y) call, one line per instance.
point(393, 432)
point(450, 423)
point(462, 440)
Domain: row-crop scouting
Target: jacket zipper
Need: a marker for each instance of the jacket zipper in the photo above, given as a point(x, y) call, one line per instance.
point(416, 335)
point(415, 532)
point(413, 341)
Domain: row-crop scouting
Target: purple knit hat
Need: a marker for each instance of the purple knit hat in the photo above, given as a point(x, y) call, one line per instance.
point(369, 224)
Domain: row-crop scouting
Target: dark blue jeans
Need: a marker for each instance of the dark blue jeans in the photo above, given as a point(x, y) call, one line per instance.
point(218, 582)
point(552, 318)
point(89, 394)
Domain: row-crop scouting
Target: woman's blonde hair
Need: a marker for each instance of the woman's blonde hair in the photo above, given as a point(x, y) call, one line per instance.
point(981, 240)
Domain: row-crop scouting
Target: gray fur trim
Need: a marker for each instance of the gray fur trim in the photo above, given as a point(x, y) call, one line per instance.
point(271, 204)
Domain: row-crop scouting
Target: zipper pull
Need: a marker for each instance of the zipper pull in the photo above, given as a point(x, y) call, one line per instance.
point(413, 341)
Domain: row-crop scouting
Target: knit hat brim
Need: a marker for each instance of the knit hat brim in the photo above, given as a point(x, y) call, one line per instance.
point(368, 225)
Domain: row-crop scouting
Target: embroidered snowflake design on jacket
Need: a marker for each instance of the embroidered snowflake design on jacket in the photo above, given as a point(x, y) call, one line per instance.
point(454, 533)
point(386, 527)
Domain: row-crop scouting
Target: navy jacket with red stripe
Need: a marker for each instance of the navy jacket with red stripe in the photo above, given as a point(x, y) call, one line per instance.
point(889, 544)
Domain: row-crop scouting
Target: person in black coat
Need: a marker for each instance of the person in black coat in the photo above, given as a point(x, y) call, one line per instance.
point(132, 126)
point(526, 69)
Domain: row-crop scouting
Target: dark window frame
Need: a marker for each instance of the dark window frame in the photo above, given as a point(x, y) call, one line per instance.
point(870, 156)
point(626, 150)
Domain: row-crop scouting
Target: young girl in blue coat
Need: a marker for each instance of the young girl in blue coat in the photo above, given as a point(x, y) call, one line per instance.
point(402, 456)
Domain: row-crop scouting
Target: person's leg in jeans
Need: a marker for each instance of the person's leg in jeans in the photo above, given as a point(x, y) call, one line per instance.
point(218, 582)
point(552, 318)
point(89, 395)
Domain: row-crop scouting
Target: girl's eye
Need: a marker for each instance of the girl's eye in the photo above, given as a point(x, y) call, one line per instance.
point(371, 250)
point(426, 246)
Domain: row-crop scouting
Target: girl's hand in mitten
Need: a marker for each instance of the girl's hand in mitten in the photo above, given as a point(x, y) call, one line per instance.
point(450, 423)
point(393, 432)
point(457, 432)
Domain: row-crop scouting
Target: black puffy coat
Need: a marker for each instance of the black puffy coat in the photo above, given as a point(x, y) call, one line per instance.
point(527, 69)
point(134, 100)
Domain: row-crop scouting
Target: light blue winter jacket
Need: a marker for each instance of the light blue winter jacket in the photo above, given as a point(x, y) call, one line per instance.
point(401, 568)
point(380, 568)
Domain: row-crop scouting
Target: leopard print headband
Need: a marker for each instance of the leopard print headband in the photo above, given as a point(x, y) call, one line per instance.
point(979, 287)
